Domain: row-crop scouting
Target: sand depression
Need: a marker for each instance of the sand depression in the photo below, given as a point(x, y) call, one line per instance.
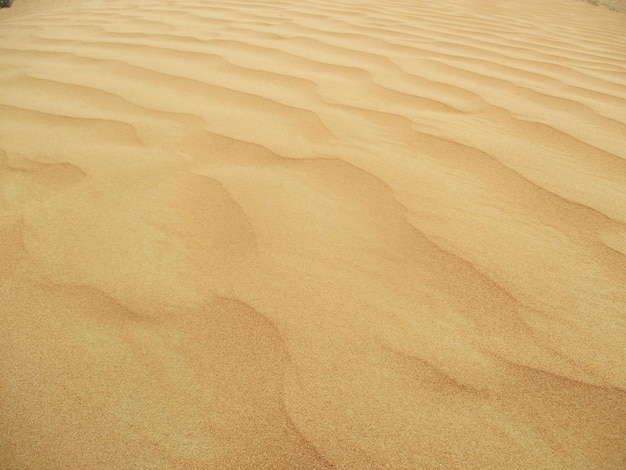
point(312, 234)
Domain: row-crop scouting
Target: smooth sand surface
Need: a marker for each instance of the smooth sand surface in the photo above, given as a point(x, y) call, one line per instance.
point(325, 234)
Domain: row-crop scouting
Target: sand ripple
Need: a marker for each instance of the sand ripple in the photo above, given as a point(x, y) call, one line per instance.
point(317, 234)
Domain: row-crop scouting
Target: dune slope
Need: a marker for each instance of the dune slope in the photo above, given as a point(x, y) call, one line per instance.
point(283, 234)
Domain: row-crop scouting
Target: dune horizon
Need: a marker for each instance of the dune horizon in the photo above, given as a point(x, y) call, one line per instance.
point(298, 235)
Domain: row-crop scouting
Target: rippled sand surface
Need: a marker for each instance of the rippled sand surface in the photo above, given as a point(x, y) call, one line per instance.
point(324, 234)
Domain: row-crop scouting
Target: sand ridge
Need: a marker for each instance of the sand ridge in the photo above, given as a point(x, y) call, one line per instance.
point(318, 234)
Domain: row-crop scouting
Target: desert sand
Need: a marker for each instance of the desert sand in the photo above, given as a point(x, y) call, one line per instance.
point(282, 234)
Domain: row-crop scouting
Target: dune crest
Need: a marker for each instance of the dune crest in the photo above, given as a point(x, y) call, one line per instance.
point(320, 234)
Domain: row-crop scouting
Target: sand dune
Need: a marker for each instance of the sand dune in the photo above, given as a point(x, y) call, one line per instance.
point(283, 234)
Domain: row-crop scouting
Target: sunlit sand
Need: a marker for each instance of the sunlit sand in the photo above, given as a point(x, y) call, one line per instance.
point(325, 234)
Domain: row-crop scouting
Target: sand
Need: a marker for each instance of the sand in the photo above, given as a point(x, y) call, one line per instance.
point(614, 5)
point(327, 234)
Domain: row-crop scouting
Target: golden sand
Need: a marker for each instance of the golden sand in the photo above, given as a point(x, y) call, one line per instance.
point(294, 235)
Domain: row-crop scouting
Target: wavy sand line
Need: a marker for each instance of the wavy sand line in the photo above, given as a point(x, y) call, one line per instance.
point(312, 235)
